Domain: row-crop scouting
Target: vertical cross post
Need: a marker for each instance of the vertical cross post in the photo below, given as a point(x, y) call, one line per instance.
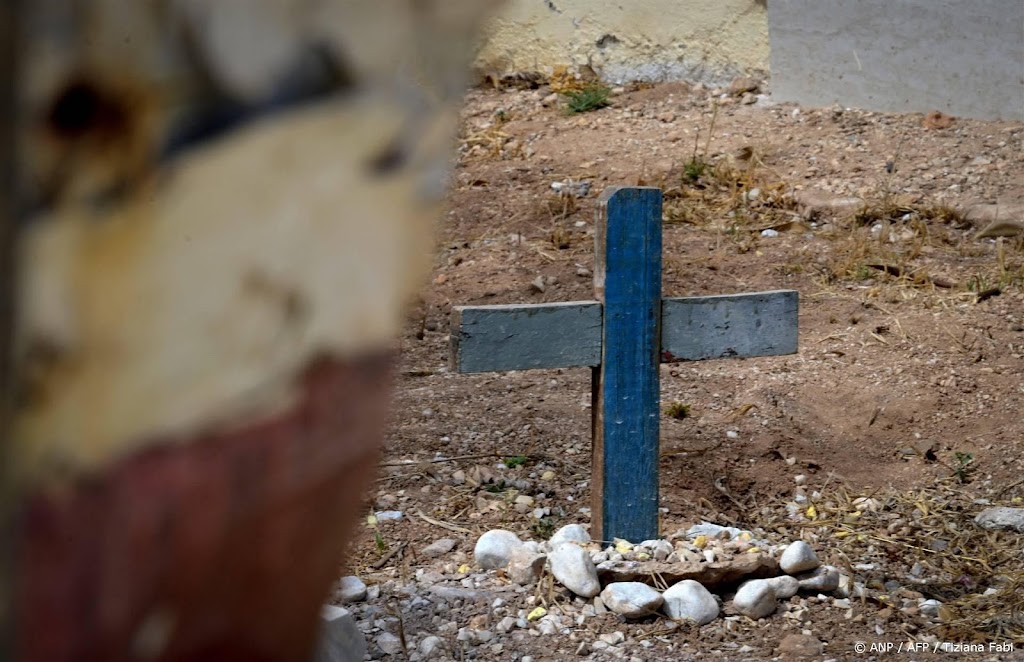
point(623, 337)
point(627, 280)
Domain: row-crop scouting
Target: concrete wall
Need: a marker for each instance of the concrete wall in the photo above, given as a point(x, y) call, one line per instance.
point(697, 40)
point(963, 57)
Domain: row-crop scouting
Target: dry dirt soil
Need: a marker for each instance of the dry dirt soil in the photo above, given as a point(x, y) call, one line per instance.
point(906, 380)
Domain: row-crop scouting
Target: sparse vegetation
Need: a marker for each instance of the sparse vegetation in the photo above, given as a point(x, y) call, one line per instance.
point(964, 466)
point(515, 461)
point(591, 96)
point(677, 410)
point(543, 528)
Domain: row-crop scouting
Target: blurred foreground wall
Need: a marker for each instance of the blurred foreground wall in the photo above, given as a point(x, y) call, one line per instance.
point(223, 209)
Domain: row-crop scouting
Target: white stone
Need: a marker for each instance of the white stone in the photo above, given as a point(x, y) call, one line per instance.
point(612, 638)
point(798, 557)
point(389, 516)
point(1001, 518)
point(755, 599)
point(526, 565)
point(570, 533)
point(631, 599)
point(930, 608)
point(350, 589)
point(506, 624)
point(660, 549)
point(389, 643)
point(494, 548)
point(784, 586)
point(438, 548)
point(549, 624)
point(688, 600)
point(713, 531)
point(340, 638)
point(430, 646)
point(572, 567)
point(824, 578)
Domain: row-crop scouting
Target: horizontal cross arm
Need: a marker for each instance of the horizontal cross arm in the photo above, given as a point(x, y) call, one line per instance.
point(732, 325)
point(566, 335)
point(520, 337)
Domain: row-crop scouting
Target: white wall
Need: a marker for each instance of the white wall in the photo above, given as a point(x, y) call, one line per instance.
point(623, 40)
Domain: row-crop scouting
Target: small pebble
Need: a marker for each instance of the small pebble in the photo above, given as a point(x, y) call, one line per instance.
point(494, 548)
point(612, 638)
point(572, 567)
point(350, 589)
point(784, 586)
point(388, 643)
point(690, 600)
point(824, 578)
point(438, 548)
point(1001, 518)
point(570, 533)
point(798, 557)
point(755, 599)
point(631, 599)
point(430, 646)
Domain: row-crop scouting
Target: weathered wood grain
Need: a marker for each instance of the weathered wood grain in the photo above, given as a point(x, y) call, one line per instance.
point(510, 337)
point(732, 325)
point(627, 278)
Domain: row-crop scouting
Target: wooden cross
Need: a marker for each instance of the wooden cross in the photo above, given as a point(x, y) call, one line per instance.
point(623, 336)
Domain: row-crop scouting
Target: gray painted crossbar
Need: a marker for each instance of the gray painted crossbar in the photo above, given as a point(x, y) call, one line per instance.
point(565, 335)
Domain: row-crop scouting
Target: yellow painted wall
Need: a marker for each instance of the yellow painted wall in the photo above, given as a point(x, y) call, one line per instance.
point(625, 40)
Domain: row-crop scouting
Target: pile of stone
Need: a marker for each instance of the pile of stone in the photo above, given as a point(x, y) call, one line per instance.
point(623, 575)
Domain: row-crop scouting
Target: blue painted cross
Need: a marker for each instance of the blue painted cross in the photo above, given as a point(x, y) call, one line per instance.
point(623, 336)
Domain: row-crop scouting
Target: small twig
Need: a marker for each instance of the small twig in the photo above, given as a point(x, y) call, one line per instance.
point(724, 490)
point(543, 254)
point(383, 561)
point(899, 326)
point(413, 463)
point(443, 525)
point(879, 338)
point(929, 550)
point(419, 372)
point(397, 613)
point(698, 451)
point(988, 294)
point(1009, 487)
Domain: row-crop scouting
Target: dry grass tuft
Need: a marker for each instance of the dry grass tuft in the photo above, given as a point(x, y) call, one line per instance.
point(927, 542)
